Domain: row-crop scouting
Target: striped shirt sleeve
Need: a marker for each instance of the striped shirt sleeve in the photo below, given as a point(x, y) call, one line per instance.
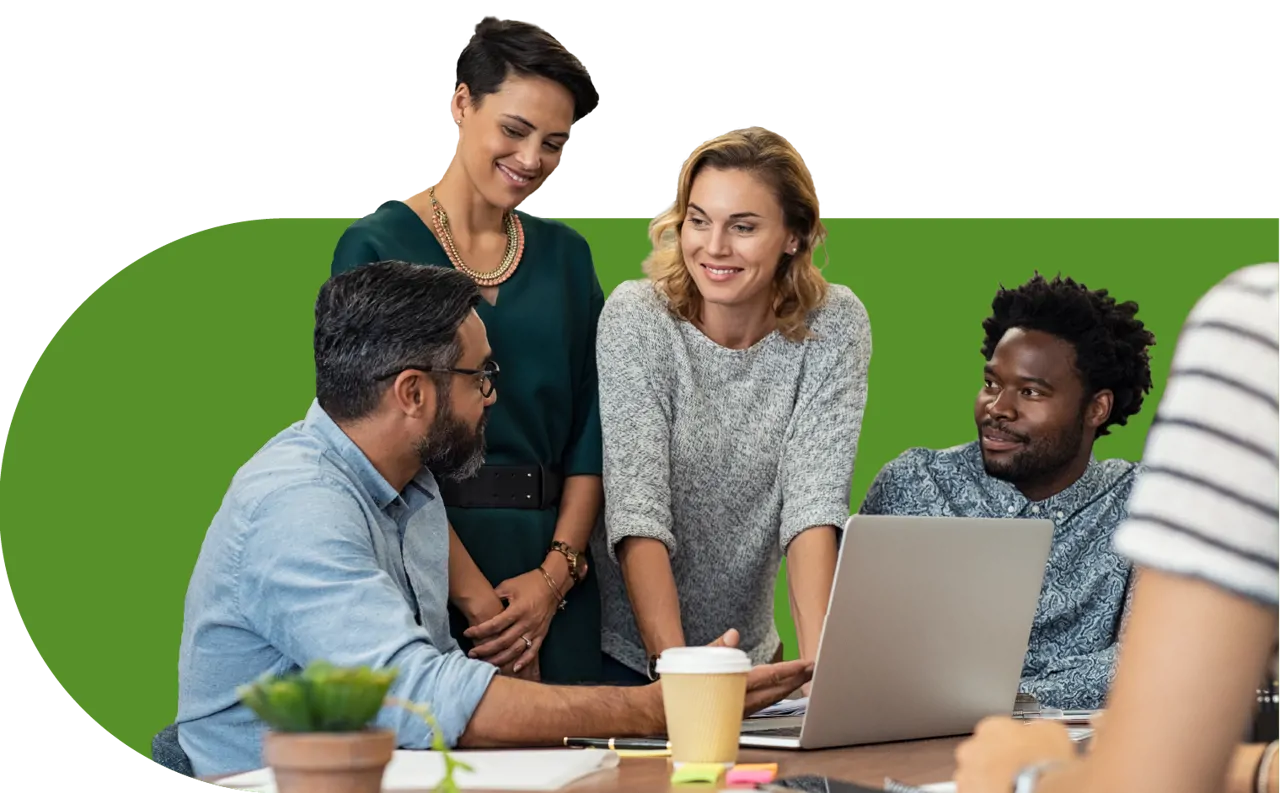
point(1206, 505)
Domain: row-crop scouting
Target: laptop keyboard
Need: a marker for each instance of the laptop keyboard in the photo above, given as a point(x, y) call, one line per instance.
point(776, 732)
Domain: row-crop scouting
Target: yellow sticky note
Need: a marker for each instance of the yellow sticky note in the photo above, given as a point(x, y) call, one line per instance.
point(697, 772)
point(643, 752)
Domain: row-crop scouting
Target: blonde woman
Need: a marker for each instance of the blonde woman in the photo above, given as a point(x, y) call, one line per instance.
point(732, 386)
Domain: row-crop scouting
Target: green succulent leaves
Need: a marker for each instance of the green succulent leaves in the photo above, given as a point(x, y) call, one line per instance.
point(326, 698)
point(319, 698)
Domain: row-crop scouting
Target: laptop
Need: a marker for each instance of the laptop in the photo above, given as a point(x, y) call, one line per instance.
point(925, 635)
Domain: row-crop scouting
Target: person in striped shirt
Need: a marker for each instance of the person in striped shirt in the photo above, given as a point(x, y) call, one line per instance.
point(1203, 530)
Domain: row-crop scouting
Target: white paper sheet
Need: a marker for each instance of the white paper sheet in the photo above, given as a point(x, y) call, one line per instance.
point(545, 769)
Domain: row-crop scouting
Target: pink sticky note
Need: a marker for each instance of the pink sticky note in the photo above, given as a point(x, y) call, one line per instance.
point(753, 774)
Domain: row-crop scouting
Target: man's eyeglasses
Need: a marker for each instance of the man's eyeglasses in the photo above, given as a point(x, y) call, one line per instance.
point(487, 374)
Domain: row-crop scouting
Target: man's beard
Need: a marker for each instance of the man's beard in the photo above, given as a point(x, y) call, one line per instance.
point(1038, 460)
point(451, 449)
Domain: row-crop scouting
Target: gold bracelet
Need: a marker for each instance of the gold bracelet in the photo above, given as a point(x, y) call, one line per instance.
point(571, 556)
point(551, 582)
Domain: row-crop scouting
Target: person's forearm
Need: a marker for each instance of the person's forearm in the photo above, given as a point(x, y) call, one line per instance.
point(1207, 645)
point(651, 587)
point(1241, 775)
point(1071, 777)
point(469, 590)
point(579, 508)
point(811, 570)
point(520, 713)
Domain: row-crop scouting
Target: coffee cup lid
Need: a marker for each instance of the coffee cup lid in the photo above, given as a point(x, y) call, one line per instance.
point(702, 661)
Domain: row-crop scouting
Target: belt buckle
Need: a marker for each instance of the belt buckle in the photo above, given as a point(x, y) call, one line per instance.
point(539, 487)
point(552, 487)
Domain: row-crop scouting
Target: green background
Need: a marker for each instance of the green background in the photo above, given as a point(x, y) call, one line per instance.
point(177, 370)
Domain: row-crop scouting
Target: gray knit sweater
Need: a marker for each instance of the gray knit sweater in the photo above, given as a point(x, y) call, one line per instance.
point(723, 455)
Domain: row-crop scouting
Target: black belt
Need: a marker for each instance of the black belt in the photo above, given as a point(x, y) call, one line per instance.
point(505, 487)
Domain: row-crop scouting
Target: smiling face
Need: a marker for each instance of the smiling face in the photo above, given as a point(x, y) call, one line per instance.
point(1035, 421)
point(511, 142)
point(733, 237)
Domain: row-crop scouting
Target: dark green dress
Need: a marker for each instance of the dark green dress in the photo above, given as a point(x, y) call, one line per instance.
point(542, 331)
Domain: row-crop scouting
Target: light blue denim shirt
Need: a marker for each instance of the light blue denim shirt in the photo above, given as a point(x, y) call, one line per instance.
point(313, 555)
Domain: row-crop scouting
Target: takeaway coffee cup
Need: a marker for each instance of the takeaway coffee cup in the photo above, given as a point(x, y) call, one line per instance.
point(704, 692)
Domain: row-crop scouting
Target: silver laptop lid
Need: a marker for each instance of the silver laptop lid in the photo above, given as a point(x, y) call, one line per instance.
point(926, 628)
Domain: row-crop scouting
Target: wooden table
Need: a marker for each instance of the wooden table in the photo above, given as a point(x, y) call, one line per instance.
point(916, 762)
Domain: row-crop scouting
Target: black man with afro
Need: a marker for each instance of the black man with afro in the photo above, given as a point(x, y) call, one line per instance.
point(1063, 366)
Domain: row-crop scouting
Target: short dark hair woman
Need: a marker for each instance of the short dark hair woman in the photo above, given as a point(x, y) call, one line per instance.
point(522, 592)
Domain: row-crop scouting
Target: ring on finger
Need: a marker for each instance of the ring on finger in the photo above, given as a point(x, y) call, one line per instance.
point(527, 643)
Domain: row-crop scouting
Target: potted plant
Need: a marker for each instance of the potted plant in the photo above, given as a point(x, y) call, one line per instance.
point(319, 738)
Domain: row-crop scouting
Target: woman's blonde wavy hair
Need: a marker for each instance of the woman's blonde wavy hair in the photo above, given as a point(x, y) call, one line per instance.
point(798, 286)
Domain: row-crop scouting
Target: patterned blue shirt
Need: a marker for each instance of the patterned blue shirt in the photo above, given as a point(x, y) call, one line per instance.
point(314, 555)
point(1072, 651)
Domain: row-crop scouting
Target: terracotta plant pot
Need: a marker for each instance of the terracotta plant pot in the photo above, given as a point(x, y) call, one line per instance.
point(328, 762)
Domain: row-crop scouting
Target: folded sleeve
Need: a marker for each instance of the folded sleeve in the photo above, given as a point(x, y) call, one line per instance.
point(1081, 680)
point(822, 441)
point(635, 419)
point(1074, 681)
point(310, 585)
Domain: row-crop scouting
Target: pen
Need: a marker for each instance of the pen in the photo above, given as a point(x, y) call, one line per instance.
point(618, 743)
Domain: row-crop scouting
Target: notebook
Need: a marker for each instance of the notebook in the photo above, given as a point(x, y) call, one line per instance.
point(533, 769)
